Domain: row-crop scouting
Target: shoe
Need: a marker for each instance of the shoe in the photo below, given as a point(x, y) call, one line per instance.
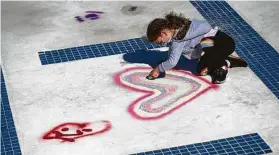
point(219, 75)
point(233, 61)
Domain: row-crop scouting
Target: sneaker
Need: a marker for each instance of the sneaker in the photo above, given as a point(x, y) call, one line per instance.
point(233, 61)
point(219, 75)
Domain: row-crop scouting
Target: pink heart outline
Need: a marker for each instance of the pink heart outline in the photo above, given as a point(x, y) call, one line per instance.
point(130, 109)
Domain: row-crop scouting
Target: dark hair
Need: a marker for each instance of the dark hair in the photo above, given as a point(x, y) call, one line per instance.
point(171, 21)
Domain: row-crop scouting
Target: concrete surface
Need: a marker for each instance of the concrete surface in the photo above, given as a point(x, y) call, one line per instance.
point(262, 16)
point(43, 97)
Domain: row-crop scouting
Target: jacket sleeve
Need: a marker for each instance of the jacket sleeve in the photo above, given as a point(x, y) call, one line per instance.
point(204, 27)
point(201, 27)
point(174, 56)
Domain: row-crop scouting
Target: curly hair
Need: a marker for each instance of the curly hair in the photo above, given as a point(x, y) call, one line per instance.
point(172, 20)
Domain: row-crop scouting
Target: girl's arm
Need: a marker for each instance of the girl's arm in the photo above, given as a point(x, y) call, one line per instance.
point(174, 56)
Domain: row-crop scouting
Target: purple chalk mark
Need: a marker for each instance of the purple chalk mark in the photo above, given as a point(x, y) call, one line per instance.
point(92, 16)
point(78, 18)
point(94, 12)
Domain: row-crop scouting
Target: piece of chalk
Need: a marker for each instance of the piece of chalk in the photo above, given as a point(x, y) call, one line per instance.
point(161, 75)
point(149, 77)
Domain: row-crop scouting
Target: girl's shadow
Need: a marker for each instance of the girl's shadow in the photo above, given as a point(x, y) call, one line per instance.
point(154, 58)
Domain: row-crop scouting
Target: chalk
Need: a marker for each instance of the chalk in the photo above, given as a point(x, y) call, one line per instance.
point(161, 75)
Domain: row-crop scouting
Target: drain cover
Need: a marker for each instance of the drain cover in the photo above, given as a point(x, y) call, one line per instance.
point(131, 10)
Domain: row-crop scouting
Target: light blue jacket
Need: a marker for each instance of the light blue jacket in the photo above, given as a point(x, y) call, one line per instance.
point(189, 46)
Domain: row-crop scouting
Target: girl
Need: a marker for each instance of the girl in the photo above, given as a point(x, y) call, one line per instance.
point(194, 40)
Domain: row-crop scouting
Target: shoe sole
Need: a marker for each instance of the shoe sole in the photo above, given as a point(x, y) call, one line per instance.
point(235, 57)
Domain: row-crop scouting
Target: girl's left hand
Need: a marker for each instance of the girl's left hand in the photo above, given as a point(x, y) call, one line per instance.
point(155, 72)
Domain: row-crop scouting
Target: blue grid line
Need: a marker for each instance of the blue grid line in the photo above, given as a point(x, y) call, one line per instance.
point(95, 50)
point(9, 141)
point(263, 59)
point(249, 144)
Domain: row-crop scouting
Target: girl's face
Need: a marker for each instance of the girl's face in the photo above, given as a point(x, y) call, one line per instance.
point(164, 37)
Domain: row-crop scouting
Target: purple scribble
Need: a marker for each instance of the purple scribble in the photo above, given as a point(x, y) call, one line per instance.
point(92, 16)
point(78, 18)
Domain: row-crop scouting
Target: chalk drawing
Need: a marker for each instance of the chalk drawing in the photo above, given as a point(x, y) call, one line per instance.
point(78, 18)
point(91, 15)
point(69, 132)
point(162, 96)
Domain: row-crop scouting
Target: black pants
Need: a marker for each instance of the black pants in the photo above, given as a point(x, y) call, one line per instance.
point(215, 56)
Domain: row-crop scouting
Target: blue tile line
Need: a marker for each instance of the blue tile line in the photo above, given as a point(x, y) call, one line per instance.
point(9, 140)
point(95, 50)
point(249, 144)
point(263, 59)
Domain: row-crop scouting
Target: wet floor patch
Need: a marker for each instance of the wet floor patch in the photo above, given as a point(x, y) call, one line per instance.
point(132, 9)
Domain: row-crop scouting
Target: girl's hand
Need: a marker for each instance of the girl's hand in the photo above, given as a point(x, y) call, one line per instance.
point(155, 72)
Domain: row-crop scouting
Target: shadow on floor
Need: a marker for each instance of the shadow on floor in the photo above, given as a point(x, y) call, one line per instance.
point(153, 58)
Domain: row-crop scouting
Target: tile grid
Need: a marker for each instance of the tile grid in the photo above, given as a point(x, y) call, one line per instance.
point(263, 59)
point(95, 50)
point(250, 144)
point(9, 140)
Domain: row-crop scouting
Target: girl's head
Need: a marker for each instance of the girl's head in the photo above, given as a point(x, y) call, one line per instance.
point(160, 30)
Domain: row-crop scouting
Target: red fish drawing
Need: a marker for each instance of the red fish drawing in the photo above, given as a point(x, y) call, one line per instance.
point(69, 132)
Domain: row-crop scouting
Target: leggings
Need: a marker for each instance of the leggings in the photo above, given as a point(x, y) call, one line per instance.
point(216, 49)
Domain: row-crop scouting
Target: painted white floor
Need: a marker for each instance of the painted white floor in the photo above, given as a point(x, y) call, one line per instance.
point(43, 97)
point(262, 16)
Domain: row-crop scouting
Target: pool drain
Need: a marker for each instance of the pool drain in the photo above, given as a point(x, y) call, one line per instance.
point(132, 10)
